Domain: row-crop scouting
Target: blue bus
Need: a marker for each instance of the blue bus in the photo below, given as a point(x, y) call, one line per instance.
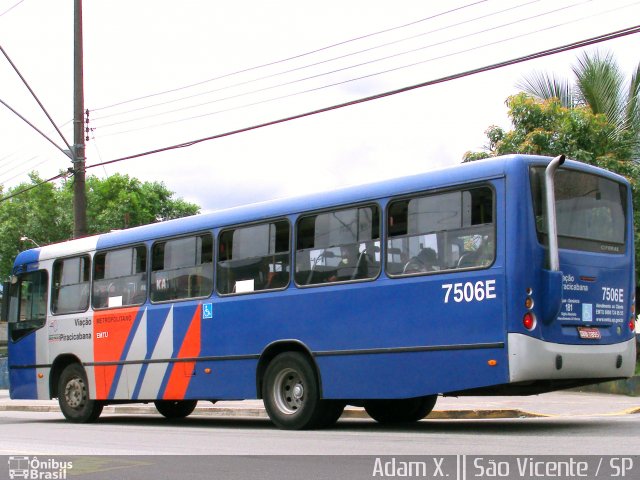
point(508, 276)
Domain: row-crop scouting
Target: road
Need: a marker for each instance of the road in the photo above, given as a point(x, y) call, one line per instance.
point(33, 433)
point(203, 447)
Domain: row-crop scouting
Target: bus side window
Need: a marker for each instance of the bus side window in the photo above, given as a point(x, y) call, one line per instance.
point(338, 246)
point(182, 268)
point(70, 289)
point(254, 258)
point(441, 232)
point(120, 277)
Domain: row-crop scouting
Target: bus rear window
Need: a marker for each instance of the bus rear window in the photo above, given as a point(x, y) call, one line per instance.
point(590, 210)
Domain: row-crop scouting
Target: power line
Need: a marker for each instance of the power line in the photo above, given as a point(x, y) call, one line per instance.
point(293, 57)
point(281, 97)
point(33, 126)
point(35, 97)
point(340, 57)
point(514, 61)
point(31, 187)
point(9, 164)
point(25, 162)
point(11, 8)
point(495, 66)
point(388, 57)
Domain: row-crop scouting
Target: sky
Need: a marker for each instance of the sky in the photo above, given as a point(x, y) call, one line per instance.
point(159, 73)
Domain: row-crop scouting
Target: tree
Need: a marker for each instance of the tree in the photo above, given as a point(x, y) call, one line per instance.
point(600, 85)
point(44, 214)
point(36, 215)
point(595, 120)
point(120, 201)
point(546, 127)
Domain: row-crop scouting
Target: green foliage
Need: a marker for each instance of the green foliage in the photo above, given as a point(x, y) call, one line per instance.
point(599, 84)
point(44, 214)
point(546, 127)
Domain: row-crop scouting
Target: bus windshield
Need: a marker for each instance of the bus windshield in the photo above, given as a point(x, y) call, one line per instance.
point(591, 211)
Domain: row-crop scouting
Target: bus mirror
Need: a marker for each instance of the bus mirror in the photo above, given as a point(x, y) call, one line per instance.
point(552, 296)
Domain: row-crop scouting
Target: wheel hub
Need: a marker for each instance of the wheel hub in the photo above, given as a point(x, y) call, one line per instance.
point(74, 393)
point(289, 392)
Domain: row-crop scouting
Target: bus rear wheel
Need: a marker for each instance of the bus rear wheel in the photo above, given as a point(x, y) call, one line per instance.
point(73, 396)
point(291, 394)
point(400, 411)
point(175, 408)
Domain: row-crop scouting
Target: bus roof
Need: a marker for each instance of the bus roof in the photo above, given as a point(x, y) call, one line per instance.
point(440, 178)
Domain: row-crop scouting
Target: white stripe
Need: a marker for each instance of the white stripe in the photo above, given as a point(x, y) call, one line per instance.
point(156, 371)
point(137, 351)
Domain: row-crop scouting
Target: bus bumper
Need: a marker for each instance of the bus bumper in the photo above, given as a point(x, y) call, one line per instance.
point(534, 359)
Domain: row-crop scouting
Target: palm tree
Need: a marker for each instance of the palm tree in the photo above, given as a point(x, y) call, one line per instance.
point(599, 84)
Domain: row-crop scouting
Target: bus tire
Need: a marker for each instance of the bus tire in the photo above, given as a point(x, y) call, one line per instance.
point(73, 396)
point(291, 394)
point(400, 411)
point(175, 408)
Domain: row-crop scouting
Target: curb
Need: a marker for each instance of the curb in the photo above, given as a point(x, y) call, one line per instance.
point(353, 413)
point(258, 411)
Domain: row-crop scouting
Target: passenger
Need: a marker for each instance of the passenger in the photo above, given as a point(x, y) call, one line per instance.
point(482, 257)
point(425, 261)
point(347, 268)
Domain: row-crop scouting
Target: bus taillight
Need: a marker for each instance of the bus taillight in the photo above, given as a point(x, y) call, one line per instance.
point(529, 321)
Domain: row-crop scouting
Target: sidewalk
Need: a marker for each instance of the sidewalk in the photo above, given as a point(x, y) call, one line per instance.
point(563, 404)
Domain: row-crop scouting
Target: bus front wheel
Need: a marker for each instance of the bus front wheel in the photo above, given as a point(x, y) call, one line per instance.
point(73, 396)
point(400, 411)
point(175, 408)
point(291, 394)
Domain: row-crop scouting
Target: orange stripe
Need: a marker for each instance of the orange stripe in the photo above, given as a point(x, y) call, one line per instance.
point(110, 332)
point(182, 372)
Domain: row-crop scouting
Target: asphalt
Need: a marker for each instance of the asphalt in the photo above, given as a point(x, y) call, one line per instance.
point(555, 404)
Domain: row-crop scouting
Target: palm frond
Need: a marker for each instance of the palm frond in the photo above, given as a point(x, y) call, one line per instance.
point(544, 87)
point(600, 84)
point(633, 104)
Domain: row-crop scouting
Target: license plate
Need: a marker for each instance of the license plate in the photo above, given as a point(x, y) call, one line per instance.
point(589, 333)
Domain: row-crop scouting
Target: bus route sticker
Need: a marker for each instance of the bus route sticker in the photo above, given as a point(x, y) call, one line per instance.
point(207, 311)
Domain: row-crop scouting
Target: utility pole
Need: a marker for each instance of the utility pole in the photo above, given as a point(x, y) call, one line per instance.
point(79, 191)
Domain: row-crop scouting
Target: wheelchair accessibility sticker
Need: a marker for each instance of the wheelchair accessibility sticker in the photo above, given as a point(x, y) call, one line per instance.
point(207, 311)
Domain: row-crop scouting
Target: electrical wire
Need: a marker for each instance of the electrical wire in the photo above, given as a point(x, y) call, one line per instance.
point(35, 185)
point(340, 57)
point(26, 84)
point(344, 42)
point(24, 162)
point(370, 62)
point(495, 66)
point(10, 8)
point(260, 102)
point(9, 165)
point(448, 78)
point(33, 126)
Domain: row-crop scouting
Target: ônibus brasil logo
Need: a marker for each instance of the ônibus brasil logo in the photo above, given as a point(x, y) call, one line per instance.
point(36, 469)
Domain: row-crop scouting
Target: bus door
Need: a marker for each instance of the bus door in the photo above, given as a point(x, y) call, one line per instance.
point(26, 312)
